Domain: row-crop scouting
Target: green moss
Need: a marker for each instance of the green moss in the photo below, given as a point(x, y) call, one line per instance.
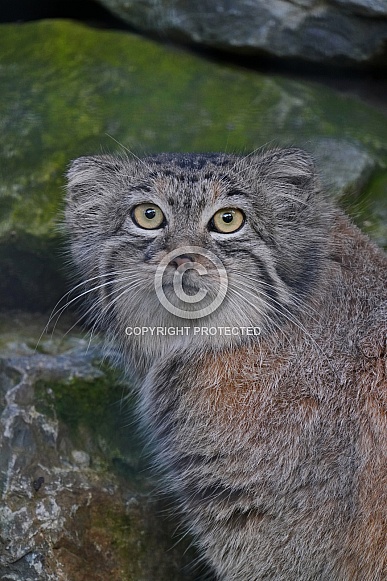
point(80, 401)
point(96, 412)
point(66, 87)
point(126, 539)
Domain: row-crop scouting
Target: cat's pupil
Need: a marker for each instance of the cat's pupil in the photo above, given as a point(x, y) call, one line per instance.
point(227, 217)
point(150, 213)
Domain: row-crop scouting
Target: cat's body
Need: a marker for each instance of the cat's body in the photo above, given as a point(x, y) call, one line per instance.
point(275, 445)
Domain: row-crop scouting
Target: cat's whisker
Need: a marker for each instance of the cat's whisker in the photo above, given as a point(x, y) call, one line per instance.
point(108, 305)
point(57, 312)
point(236, 304)
point(136, 287)
point(283, 311)
point(293, 300)
point(81, 296)
point(93, 308)
point(83, 284)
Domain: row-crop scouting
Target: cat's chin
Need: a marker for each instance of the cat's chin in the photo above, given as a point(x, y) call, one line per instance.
point(151, 338)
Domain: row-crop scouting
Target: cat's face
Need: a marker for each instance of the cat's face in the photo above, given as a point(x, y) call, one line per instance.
point(199, 241)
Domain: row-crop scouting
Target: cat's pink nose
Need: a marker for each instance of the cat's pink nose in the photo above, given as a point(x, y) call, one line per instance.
point(179, 260)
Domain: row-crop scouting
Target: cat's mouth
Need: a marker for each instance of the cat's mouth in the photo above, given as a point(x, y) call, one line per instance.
point(188, 280)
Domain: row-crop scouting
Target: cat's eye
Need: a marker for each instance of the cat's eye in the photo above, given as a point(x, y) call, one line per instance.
point(148, 216)
point(227, 220)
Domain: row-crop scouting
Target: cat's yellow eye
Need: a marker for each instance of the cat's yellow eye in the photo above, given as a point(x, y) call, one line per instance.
point(227, 220)
point(148, 216)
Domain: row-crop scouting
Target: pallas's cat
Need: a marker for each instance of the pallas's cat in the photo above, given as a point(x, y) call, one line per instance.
point(252, 314)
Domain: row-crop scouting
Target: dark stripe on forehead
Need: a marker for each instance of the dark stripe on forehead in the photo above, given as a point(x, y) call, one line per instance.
point(198, 161)
point(235, 192)
point(187, 202)
point(191, 160)
point(143, 187)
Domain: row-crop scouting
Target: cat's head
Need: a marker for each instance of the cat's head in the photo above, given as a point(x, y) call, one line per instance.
point(199, 241)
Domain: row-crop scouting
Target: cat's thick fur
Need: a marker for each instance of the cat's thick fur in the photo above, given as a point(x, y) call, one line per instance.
point(276, 446)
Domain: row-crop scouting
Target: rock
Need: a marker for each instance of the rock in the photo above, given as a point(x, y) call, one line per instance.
point(76, 503)
point(346, 166)
point(365, 7)
point(329, 31)
point(68, 90)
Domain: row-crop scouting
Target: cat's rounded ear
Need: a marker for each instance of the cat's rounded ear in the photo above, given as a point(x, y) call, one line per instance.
point(90, 176)
point(291, 170)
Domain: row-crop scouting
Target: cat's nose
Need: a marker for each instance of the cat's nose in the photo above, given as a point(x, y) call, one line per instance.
point(182, 259)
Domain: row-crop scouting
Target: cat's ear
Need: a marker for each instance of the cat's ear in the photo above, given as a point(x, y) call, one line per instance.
point(291, 171)
point(91, 176)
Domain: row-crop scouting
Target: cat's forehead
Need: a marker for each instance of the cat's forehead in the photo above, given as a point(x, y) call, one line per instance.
point(186, 178)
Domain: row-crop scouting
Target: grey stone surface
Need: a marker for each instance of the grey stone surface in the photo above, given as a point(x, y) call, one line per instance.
point(330, 31)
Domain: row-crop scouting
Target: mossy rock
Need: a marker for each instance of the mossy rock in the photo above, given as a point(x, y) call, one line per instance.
point(78, 501)
point(70, 90)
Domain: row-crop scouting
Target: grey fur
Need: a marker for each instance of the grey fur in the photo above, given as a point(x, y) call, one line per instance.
point(275, 446)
